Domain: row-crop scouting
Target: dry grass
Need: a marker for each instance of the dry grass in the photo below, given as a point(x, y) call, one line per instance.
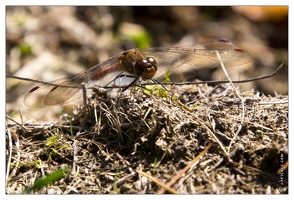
point(113, 139)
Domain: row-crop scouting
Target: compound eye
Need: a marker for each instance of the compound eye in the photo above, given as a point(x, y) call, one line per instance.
point(152, 61)
point(146, 68)
point(140, 66)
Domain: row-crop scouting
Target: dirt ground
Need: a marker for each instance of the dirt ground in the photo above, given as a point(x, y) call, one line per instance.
point(189, 139)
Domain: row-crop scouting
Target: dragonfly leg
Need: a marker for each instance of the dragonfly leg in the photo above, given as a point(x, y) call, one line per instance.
point(132, 83)
point(159, 83)
point(118, 76)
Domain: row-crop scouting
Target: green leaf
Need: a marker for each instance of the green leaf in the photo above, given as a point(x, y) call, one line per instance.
point(50, 178)
point(25, 48)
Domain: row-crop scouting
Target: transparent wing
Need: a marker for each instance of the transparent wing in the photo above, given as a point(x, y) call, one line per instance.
point(69, 89)
point(184, 62)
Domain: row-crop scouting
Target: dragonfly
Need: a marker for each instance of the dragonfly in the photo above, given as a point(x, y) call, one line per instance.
point(181, 63)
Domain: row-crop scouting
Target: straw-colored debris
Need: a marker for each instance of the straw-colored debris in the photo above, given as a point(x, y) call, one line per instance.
point(114, 138)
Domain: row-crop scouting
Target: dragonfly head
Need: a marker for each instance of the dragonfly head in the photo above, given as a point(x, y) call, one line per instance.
point(146, 68)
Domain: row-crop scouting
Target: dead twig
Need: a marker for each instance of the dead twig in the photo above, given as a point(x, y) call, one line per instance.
point(167, 188)
point(182, 172)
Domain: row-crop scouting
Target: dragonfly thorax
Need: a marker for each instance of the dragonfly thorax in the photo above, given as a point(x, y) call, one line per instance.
point(136, 63)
